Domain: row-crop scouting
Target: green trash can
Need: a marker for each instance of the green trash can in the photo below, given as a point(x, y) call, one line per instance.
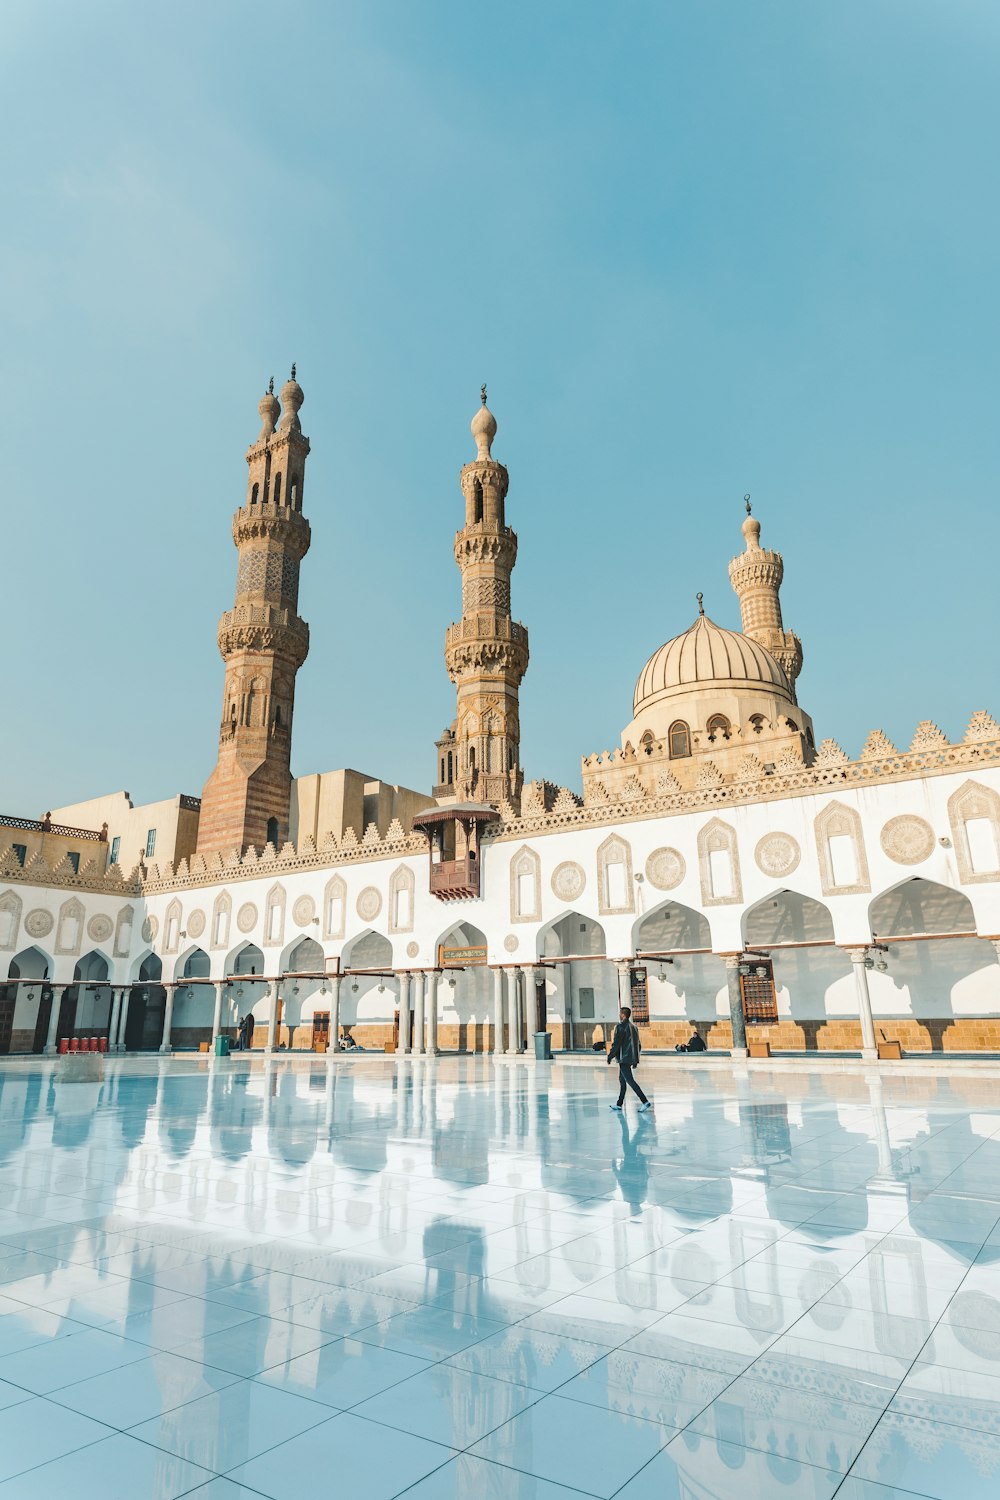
point(222, 1046)
point(543, 1047)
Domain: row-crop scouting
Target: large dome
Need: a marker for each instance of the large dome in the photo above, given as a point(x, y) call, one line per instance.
point(705, 656)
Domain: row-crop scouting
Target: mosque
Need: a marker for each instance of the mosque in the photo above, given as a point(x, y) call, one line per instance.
point(722, 871)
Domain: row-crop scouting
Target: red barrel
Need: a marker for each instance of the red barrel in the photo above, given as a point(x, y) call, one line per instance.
point(64, 1046)
point(103, 1044)
point(74, 1044)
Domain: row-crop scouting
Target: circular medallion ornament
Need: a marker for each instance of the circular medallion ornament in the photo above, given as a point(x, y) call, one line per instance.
point(907, 840)
point(369, 904)
point(568, 880)
point(511, 943)
point(665, 868)
point(196, 924)
point(303, 911)
point(777, 854)
point(38, 923)
point(100, 928)
point(149, 929)
point(412, 949)
point(246, 918)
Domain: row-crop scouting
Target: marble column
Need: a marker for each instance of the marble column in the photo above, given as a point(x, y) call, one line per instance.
point(530, 1005)
point(624, 967)
point(51, 1047)
point(419, 980)
point(513, 1014)
point(433, 980)
point(123, 1018)
point(336, 980)
point(272, 1025)
point(220, 985)
point(168, 1018)
point(497, 1012)
point(869, 1051)
point(736, 1016)
point(117, 995)
point(404, 1013)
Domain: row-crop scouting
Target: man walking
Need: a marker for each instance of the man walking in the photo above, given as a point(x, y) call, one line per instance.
point(625, 1046)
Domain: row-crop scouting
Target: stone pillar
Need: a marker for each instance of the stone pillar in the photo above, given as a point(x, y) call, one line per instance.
point(869, 1051)
point(510, 987)
point(530, 1005)
point(58, 990)
point(624, 967)
point(116, 1005)
point(497, 1012)
point(123, 1018)
point(336, 980)
point(404, 1013)
point(736, 1016)
point(432, 1012)
point(419, 980)
point(168, 1018)
point(217, 1016)
point(272, 1025)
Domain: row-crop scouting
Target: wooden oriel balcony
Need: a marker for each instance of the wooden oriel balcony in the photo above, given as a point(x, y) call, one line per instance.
point(455, 879)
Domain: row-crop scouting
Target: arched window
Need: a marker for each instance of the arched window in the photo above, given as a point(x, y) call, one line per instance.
point(477, 513)
point(757, 723)
point(441, 777)
point(718, 727)
point(646, 743)
point(792, 725)
point(277, 718)
point(809, 738)
point(679, 739)
point(277, 489)
point(255, 494)
point(272, 831)
point(451, 770)
point(294, 499)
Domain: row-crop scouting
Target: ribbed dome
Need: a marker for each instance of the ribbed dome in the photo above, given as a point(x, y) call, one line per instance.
point(707, 654)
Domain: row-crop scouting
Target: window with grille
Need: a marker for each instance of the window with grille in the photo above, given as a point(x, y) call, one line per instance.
point(150, 843)
point(116, 844)
point(639, 996)
point(760, 1003)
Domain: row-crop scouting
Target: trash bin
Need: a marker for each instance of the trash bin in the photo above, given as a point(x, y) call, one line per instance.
point(543, 1047)
point(222, 1046)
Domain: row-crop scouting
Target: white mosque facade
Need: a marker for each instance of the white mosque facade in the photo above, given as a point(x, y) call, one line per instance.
point(725, 871)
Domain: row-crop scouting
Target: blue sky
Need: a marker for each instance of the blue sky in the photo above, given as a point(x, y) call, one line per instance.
point(695, 249)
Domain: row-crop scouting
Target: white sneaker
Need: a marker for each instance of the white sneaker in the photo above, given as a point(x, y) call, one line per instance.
point(643, 1107)
point(615, 1106)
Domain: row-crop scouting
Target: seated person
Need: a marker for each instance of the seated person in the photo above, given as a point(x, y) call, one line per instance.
point(695, 1043)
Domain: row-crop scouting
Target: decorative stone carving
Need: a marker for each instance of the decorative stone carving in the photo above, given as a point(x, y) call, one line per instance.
point(615, 887)
point(665, 869)
point(837, 820)
point(246, 917)
point(928, 736)
point(709, 776)
point(412, 950)
point(39, 923)
point(69, 928)
point(149, 930)
point(877, 746)
point(568, 880)
point(666, 784)
point(907, 839)
point(196, 924)
point(369, 904)
point(777, 854)
point(974, 803)
point(719, 839)
point(100, 928)
point(830, 754)
point(303, 911)
point(750, 769)
point(632, 790)
point(511, 942)
point(525, 886)
point(595, 792)
point(982, 726)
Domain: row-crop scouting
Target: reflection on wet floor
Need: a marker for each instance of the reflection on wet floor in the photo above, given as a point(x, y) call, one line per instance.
point(454, 1279)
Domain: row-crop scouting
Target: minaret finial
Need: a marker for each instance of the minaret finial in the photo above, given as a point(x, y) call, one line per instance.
point(701, 604)
point(270, 386)
point(746, 502)
point(293, 369)
point(482, 393)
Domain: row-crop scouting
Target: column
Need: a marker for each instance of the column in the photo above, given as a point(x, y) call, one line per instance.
point(168, 1018)
point(116, 1004)
point(272, 1025)
point(404, 1013)
point(736, 1016)
point(50, 1041)
point(419, 980)
point(336, 980)
point(497, 1012)
point(530, 1005)
point(217, 1016)
point(123, 1019)
point(432, 1012)
point(624, 967)
point(513, 1017)
point(869, 1051)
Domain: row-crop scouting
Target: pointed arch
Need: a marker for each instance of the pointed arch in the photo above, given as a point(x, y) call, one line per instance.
point(615, 886)
point(840, 845)
point(719, 864)
point(193, 963)
point(785, 916)
point(335, 908)
point(31, 963)
point(222, 916)
point(274, 916)
point(92, 968)
point(526, 886)
point(974, 815)
point(918, 907)
point(172, 926)
point(671, 926)
point(11, 906)
point(69, 927)
point(401, 892)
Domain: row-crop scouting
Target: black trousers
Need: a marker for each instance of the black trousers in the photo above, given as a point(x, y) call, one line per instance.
point(627, 1081)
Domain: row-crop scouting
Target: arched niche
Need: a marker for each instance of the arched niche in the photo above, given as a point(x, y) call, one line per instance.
point(840, 848)
point(124, 927)
point(172, 926)
point(719, 864)
point(222, 915)
point(69, 927)
point(974, 815)
point(526, 886)
point(401, 892)
point(11, 907)
point(334, 908)
point(274, 916)
point(615, 886)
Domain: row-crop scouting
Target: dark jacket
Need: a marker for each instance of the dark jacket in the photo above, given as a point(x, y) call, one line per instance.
point(625, 1045)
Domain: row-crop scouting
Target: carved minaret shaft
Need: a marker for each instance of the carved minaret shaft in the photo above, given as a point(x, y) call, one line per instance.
point(263, 641)
point(756, 577)
point(486, 652)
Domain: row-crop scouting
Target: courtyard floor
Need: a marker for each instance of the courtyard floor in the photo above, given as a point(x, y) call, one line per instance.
point(460, 1281)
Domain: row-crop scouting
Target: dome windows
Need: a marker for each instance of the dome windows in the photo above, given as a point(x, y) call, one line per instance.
point(679, 739)
point(718, 727)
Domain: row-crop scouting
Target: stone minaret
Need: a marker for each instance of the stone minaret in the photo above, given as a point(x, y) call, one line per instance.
point(486, 652)
point(756, 578)
point(262, 640)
